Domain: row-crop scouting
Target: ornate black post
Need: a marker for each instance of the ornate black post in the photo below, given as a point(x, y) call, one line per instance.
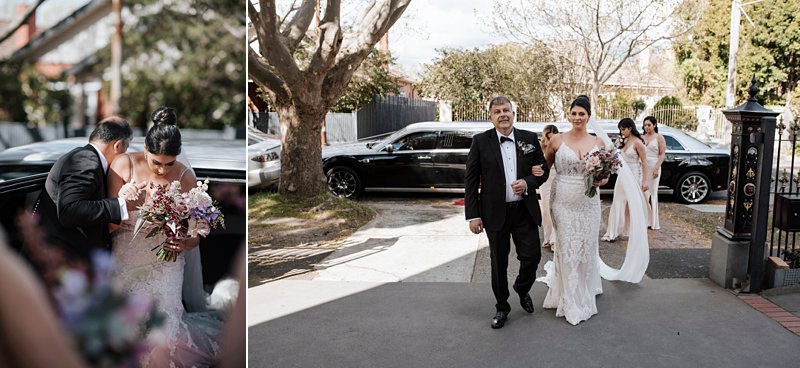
point(752, 141)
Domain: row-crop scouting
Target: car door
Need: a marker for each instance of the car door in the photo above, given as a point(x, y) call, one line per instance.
point(675, 157)
point(405, 163)
point(17, 195)
point(450, 158)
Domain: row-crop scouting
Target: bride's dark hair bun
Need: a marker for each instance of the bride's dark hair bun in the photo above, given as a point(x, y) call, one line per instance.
point(164, 137)
point(164, 115)
point(582, 101)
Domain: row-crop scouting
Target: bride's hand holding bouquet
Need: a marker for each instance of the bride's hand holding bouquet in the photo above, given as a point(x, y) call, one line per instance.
point(600, 164)
point(182, 217)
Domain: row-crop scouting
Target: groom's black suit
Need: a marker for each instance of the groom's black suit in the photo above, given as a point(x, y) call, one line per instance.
point(501, 220)
point(73, 209)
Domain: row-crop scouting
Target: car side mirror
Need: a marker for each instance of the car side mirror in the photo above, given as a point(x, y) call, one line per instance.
point(389, 148)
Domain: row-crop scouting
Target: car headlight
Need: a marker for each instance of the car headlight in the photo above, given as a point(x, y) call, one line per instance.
point(266, 157)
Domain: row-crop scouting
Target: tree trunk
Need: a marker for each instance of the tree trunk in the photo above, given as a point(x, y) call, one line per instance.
point(301, 165)
point(593, 96)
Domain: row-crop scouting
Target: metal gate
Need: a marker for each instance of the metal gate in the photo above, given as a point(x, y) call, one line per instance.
point(786, 190)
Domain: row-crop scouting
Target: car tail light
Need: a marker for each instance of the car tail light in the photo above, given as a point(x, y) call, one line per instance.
point(266, 157)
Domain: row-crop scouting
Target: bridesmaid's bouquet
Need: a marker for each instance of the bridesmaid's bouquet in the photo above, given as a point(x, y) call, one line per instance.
point(600, 164)
point(178, 215)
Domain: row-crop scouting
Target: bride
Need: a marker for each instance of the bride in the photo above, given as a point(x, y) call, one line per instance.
point(575, 277)
point(574, 274)
point(184, 340)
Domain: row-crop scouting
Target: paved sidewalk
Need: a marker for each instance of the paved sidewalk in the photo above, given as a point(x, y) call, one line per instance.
point(410, 289)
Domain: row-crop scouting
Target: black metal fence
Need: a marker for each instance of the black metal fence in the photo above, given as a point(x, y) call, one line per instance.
point(786, 191)
point(389, 113)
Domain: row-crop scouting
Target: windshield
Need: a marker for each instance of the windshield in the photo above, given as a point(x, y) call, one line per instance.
point(690, 142)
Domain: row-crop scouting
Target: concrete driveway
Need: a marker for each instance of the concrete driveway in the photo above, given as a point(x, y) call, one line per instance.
point(411, 289)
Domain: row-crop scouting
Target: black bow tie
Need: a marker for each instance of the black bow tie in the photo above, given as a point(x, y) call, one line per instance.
point(505, 139)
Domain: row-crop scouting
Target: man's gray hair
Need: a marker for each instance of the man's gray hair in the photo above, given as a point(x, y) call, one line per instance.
point(501, 100)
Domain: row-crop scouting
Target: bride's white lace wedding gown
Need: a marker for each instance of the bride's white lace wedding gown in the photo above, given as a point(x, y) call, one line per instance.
point(185, 339)
point(574, 280)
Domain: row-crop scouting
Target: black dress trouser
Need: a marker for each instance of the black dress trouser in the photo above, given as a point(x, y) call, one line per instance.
point(525, 232)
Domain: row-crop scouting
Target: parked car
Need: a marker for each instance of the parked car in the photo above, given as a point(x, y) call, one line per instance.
point(264, 163)
point(23, 171)
point(431, 157)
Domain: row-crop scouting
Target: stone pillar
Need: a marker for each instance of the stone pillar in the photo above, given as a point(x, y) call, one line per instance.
point(741, 241)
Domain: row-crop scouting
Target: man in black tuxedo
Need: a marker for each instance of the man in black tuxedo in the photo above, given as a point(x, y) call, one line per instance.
point(502, 162)
point(74, 210)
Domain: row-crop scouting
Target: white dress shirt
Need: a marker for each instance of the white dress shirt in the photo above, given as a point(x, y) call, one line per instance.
point(509, 152)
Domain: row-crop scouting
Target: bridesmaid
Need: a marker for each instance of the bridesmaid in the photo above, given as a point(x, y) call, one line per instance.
point(633, 152)
point(656, 149)
point(544, 192)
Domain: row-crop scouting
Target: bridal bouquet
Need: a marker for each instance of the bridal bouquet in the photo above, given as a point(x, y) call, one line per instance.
point(178, 215)
point(600, 164)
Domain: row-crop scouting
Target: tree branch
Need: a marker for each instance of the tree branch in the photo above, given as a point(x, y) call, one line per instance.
point(271, 48)
point(294, 31)
point(330, 41)
point(264, 75)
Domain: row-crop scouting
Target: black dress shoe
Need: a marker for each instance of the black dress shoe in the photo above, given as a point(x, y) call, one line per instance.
point(499, 320)
point(525, 301)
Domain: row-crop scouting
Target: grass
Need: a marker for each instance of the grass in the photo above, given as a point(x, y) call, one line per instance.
point(273, 205)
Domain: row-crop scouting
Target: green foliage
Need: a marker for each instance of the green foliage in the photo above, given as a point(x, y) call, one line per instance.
point(668, 101)
point(638, 106)
point(372, 79)
point(11, 104)
point(190, 57)
point(621, 104)
point(533, 77)
point(670, 112)
point(770, 50)
point(30, 96)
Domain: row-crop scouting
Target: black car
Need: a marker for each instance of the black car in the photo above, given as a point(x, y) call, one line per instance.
point(431, 157)
point(23, 171)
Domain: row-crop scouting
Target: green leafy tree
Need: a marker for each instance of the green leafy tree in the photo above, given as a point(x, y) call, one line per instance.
point(768, 50)
point(534, 78)
point(670, 112)
point(189, 57)
point(30, 96)
point(372, 79)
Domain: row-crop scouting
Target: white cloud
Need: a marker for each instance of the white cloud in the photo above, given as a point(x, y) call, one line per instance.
point(428, 25)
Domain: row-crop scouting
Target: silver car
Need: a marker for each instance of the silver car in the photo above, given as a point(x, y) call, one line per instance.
point(264, 164)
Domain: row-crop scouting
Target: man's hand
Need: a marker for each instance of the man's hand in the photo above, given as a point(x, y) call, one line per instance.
point(519, 186)
point(537, 170)
point(476, 226)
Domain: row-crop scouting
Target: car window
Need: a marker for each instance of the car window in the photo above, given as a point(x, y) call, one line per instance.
point(416, 142)
point(672, 143)
point(456, 140)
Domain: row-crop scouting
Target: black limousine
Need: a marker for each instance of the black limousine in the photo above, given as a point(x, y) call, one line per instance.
point(431, 157)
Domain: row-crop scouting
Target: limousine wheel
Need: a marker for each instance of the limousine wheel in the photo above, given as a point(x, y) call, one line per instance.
point(693, 187)
point(344, 182)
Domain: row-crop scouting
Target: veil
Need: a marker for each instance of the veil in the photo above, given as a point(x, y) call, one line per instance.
point(194, 295)
point(637, 255)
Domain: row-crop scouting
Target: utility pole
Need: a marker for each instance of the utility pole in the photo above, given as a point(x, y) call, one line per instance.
point(736, 17)
point(116, 59)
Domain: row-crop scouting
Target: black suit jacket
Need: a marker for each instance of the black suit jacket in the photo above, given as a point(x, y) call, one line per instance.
point(73, 209)
point(485, 171)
